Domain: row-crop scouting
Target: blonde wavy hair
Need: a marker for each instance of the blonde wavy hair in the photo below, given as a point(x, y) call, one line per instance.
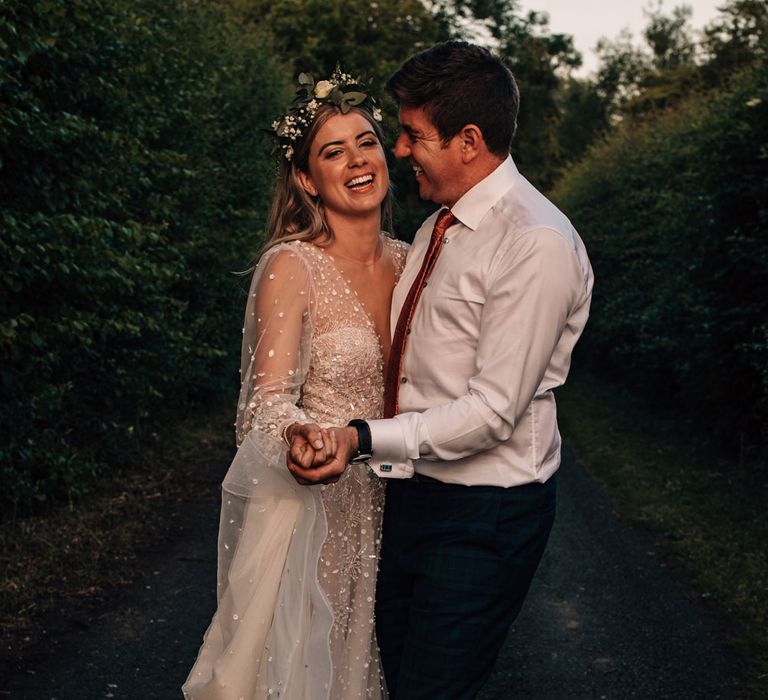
point(297, 216)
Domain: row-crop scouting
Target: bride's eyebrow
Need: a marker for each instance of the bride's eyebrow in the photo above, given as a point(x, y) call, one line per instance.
point(326, 145)
point(339, 143)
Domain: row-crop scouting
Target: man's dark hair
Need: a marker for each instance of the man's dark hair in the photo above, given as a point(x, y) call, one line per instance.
point(457, 83)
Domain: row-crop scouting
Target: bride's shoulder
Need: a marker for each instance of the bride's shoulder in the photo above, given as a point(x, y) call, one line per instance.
point(397, 250)
point(299, 251)
point(289, 257)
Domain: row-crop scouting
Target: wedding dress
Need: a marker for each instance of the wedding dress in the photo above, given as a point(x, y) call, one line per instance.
point(297, 564)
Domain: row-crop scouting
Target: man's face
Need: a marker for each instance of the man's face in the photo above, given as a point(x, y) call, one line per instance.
point(437, 165)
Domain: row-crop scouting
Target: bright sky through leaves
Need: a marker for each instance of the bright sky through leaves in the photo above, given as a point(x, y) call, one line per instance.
point(588, 20)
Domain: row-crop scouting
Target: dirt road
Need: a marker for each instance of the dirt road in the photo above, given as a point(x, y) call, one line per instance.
point(604, 619)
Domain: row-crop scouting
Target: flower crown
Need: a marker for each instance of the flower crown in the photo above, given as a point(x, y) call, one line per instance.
point(341, 89)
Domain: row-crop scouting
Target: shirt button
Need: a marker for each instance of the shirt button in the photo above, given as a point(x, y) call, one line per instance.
point(408, 330)
point(403, 380)
point(445, 240)
point(425, 284)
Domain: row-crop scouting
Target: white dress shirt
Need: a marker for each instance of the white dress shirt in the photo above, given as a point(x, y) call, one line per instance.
point(490, 338)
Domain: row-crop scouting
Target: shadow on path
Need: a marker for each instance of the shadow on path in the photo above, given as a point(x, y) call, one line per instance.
point(603, 620)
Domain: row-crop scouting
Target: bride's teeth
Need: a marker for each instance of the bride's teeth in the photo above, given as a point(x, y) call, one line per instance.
point(362, 180)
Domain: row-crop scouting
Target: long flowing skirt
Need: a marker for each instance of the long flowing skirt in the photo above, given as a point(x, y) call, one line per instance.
point(296, 580)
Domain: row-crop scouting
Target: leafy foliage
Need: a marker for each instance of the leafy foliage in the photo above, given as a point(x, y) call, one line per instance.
point(369, 39)
point(133, 180)
point(538, 60)
point(674, 214)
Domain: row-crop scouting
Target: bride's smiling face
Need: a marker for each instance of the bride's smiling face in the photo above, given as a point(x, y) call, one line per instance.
point(347, 167)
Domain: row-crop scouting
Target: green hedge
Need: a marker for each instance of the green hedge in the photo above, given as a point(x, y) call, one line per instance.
point(675, 217)
point(133, 182)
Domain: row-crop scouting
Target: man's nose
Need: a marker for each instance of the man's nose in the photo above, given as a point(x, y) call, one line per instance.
point(402, 147)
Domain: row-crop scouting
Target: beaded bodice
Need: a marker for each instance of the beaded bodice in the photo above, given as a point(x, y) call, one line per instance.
point(345, 376)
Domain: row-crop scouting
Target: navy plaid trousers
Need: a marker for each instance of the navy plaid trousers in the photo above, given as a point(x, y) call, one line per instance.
point(456, 565)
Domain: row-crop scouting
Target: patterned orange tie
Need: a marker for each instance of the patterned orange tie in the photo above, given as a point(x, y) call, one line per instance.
point(445, 219)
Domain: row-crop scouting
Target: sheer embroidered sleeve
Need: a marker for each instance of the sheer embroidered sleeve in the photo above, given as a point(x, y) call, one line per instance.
point(276, 343)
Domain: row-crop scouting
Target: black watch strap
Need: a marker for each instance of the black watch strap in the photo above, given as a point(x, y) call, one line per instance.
point(364, 441)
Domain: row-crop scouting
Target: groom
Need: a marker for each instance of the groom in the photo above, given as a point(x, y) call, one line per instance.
point(494, 295)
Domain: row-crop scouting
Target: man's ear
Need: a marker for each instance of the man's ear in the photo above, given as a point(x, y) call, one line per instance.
point(306, 183)
point(472, 142)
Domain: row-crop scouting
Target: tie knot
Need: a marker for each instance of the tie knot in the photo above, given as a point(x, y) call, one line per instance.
point(445, 219)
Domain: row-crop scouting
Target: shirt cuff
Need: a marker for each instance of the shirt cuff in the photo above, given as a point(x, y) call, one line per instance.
point(387, 440)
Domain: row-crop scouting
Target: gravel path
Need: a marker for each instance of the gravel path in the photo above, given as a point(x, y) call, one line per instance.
point(604, 619)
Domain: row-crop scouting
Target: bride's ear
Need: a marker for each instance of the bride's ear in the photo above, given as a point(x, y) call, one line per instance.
point(306, 183)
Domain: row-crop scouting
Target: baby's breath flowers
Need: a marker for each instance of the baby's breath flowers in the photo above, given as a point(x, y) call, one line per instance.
point(341, 89)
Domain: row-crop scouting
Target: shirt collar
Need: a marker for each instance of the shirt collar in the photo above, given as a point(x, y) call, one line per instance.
point(474, 204)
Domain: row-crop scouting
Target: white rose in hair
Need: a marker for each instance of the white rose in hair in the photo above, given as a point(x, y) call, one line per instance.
point(323, 89)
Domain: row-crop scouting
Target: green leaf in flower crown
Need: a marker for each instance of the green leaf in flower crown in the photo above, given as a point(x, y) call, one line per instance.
point(354, 98)
point(336, 97)
point(305, 79)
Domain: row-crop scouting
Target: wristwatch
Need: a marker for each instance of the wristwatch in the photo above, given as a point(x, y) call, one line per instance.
point(364, 441)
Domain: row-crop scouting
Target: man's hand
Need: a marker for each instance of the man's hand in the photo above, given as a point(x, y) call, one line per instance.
point(325, 465)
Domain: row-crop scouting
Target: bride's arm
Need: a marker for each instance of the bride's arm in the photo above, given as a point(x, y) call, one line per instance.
point(276, 344)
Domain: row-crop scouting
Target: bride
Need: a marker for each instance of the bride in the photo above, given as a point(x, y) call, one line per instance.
point(297, 564)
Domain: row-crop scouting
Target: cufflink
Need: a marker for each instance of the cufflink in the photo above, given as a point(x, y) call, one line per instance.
point(385, 467)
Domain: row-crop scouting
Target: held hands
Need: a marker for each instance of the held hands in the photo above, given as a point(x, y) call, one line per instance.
point(318, 455)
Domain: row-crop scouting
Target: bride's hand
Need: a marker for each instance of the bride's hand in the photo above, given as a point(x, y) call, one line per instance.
point(309, 446)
